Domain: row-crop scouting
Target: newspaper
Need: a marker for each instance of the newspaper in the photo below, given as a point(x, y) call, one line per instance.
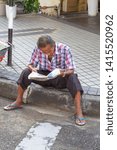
point(40, 77)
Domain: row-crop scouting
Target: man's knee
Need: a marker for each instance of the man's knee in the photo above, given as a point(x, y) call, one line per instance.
point(74, 85)
point(72, 77)
point(26, 71)
point(72, 80)
point(23, 79)
point(24, 75)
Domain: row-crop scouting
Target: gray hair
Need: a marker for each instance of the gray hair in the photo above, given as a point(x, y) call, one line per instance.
point(43, 41)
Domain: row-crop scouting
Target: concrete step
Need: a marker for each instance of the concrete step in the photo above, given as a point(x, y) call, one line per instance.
point(57, 98)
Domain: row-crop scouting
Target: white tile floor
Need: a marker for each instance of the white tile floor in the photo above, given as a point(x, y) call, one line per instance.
point(84, 45)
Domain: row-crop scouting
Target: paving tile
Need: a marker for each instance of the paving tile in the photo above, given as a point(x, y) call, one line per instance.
point(86, 51)
point(92, 91)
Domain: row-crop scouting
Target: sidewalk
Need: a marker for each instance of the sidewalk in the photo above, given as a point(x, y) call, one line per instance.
point(84, 45)
point(81, 20)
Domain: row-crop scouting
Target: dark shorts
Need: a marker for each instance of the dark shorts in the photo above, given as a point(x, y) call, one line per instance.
point(71, 82)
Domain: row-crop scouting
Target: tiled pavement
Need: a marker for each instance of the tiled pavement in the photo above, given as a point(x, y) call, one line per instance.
point(81, 20)
point(84, 44)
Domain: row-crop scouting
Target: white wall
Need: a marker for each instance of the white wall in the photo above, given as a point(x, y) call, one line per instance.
point(49, 11)
point(2, 8)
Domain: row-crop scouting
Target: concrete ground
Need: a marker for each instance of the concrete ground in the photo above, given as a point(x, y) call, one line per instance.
point(14, 126)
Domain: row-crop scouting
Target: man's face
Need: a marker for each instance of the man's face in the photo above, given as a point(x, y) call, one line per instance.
point(48, 50)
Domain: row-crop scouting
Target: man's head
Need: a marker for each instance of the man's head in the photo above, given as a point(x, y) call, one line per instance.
point(46, 44)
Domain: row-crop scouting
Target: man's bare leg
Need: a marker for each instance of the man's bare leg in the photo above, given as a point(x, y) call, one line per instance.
point(78, 104)
point(17, 104)
point(78, 107)
point(19, 98)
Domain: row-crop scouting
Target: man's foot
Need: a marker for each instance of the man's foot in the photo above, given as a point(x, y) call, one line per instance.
point(80, 121)
point(12, 106)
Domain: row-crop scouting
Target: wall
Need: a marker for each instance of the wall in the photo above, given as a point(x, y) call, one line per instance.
point(49, 11)
point(2, 8)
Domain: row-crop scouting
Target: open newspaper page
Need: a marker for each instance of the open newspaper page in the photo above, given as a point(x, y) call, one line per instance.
point(40, 77)
point(37, 76)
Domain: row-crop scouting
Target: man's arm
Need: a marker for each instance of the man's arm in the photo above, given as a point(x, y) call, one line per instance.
point(32, 68)
point(34, 61)
point(70, 67)
point(63, 73)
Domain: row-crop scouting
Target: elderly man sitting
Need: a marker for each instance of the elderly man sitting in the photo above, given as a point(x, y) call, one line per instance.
point(47, 56)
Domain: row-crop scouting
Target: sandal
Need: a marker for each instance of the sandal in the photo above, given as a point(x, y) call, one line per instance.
point(80, 121)
point(12, 107)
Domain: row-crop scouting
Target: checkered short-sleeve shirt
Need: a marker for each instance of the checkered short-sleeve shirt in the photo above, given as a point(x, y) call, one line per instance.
point(62, 58)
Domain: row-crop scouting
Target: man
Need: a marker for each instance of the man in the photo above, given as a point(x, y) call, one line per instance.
point(46, 57)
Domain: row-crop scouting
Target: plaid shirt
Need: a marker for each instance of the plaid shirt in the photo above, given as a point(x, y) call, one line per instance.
point(62, 58)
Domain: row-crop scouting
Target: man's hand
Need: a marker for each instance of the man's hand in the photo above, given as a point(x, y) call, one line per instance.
point(63, 73)
point(32, 68)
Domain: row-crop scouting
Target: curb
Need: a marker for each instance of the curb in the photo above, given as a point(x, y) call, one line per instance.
point(57, 98)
